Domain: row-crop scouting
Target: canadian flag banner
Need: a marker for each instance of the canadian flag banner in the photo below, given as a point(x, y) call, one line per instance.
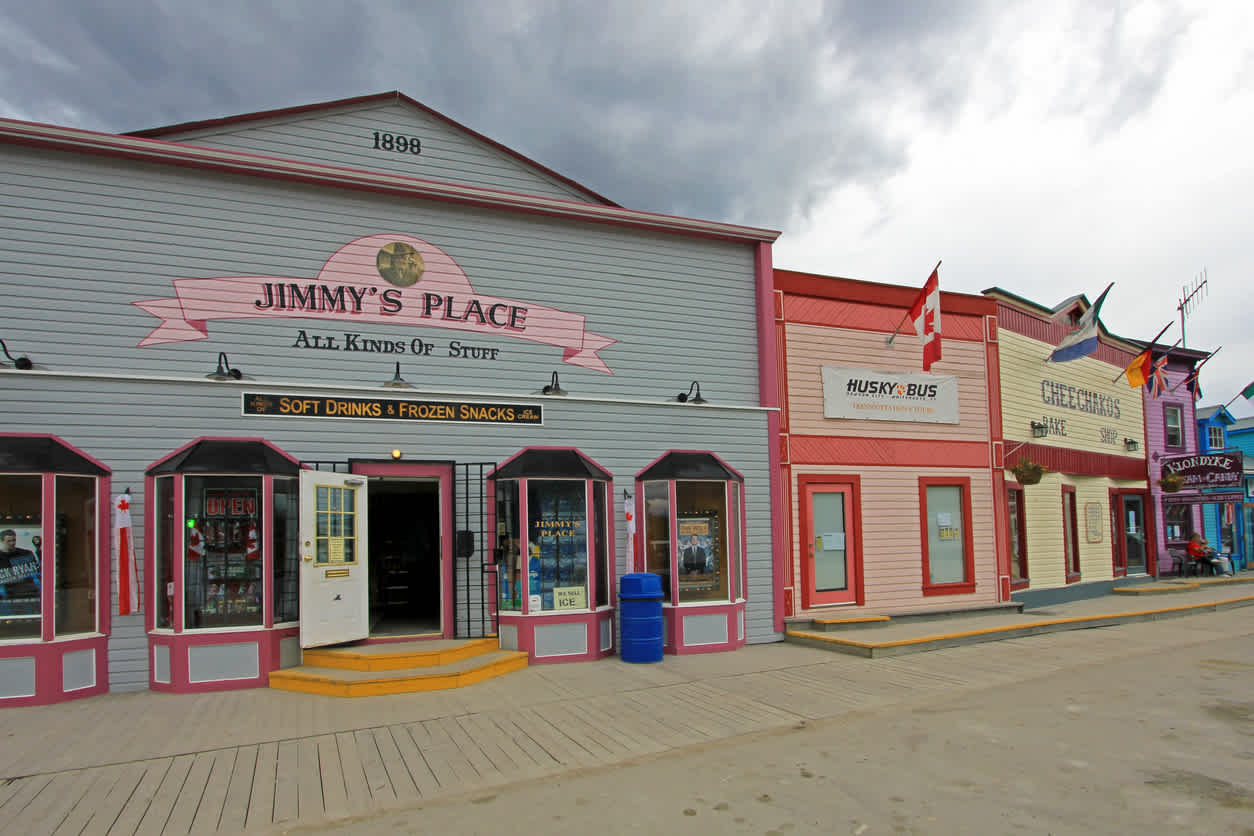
point(195, 543)
point(925, 314)
point(252, 550)
point(128, 572)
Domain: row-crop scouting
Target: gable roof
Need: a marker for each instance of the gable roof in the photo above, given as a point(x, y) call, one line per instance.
point(1214, 414)
point(1078, 304)
point(375, 98)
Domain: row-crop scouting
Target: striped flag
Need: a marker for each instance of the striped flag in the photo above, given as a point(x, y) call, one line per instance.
point(1158, 377)
point(1083, 340)
point(128, 572)
point(1138, 371)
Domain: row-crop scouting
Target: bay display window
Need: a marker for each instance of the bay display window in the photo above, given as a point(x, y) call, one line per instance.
point(223, 584)
point(693, 532)
point(51, 521)
point(552, 530)
point(948, 552)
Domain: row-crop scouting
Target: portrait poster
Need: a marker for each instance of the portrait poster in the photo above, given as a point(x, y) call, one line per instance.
point(21, 549)
point(697, 558)
point(1092, 522)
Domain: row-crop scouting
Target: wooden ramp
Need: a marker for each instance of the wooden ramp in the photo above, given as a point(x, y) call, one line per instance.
point(368, 670)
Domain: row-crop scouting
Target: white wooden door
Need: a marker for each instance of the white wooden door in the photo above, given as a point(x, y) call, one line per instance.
point(334, 592)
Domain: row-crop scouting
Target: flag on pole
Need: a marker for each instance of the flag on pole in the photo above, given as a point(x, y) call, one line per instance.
point(1248, 392)
point(1138, 371)
point(1083, 340)
point(128, 573)
point(1194, 384)
point(925, 314)
point(252, 551)
point(1158, 377)
point(195, 543)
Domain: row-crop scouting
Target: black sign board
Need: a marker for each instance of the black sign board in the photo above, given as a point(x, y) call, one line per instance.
point(457, 412)
point(1207, 470)
point(1201, 498)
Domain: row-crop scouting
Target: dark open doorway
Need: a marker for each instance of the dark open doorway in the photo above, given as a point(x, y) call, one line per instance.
point(404, 556)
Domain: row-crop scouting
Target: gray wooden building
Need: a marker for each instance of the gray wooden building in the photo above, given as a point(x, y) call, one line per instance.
point(364, 373)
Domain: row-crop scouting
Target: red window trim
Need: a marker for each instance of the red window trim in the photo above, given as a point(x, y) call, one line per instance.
point(968, 544)
point(1068, 495)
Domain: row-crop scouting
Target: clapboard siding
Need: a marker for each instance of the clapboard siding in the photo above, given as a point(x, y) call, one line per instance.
point(1024, 370)
point(892, 551)
point(345, 137)
point(130, 424)
point(810, 347)
point(83, 239)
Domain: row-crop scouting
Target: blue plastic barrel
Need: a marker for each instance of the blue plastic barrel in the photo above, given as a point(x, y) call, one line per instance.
point(640, 617)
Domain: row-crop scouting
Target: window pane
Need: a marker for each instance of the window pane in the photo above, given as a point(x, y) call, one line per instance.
point(21, 557)
point(600, 546)
point(1173, 419)
point(701, 520)
point(1018, 561)
point(167, 531)
point(657, 533)
point(286, 549)
point(946, 540)
point(223, 586)
point(1216, 437)
point(74, 604)
point(1069, 533)
point(508, 546)
point(830, 556)
point(733, 553)
point(557, 563)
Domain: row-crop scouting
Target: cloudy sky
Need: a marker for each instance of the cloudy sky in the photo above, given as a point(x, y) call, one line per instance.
point(1046, 147)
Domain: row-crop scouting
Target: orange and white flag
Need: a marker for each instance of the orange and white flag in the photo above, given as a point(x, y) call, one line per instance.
point(128, 571)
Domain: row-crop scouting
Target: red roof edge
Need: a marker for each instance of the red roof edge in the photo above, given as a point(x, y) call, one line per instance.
point(183, 127)
point(877, 293)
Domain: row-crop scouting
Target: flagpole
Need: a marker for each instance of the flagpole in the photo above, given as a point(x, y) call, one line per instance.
point(1196, 369)
point(893, 336)
point(1150, 348)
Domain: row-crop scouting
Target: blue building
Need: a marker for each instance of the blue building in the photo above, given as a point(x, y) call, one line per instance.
point(1241, 436)
point(1222, 525)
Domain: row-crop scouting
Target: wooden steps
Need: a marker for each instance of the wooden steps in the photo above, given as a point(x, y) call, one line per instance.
point(368, 670)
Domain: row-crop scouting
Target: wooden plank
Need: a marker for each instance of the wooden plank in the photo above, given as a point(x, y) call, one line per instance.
point(9, 788)
point(239, 787)
point(399, 778)
point(81, 811)
point(125, 782)
point(356, 790)
point(446, 747)
point(507, 760)
point(286, 791)
point(374, 773)
point(523, 744)
point(164, 799)
point(213, 797)
point(262, 794)
point(430, 741)
point(331, 775)
point(419, 769)
point(140, 801)
point(28, 789)
point(187, 800)
point(51, 807)
point(308, 780)
point(563, 749)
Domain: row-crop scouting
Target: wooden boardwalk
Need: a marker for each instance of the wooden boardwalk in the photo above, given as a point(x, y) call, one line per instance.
point(249, 761)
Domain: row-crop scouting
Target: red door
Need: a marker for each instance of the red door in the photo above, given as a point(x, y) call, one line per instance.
point(830, 551)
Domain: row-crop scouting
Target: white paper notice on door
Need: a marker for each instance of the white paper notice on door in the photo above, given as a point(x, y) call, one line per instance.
point(944, 520)
point(831, 541)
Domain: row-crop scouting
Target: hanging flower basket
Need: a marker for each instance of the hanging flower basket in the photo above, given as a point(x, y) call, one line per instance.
point(1171, 482)
point(1027, 472)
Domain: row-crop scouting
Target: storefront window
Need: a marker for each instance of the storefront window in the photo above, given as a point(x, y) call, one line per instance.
point(286, 549)
point(1070, 532)
point(21, 556)
point(701, 554)
point(163, 593)
point(1179, 522)
point(600, 546)
point(223, 583)
point(945, 536)
point(74, 603)
point(1018, 536)
point(733, 538)
point(509, 547)
point(557, 545)
point(657, 533)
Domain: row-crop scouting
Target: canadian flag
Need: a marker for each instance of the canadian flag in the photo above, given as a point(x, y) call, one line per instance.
point(195, 543)
point(128, 572)
point(252, 551)
point(925, 314)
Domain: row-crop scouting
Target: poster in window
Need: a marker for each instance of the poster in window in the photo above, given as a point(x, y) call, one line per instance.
point(21, 548)
point(697, 559)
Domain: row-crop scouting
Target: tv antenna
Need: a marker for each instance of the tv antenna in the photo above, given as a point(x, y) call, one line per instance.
point(1191, 296)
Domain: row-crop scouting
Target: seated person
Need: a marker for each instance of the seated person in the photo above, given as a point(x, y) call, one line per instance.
point(1199, 549)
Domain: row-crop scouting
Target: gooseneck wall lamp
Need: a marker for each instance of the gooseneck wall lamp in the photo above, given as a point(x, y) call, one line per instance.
point(689, 396)
point(398, 382)
point(21, 362)
point(224, 371)
point(1131, 445)
point(1039, 429)
point(553, 387)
